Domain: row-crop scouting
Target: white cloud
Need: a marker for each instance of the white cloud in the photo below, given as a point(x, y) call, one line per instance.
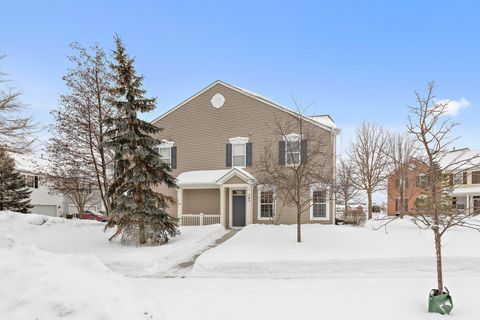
point(455, 105)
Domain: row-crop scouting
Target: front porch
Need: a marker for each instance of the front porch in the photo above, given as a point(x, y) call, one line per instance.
point(467, 198)
point(215, 196)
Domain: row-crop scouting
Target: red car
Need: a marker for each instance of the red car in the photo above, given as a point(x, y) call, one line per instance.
point(91, 215)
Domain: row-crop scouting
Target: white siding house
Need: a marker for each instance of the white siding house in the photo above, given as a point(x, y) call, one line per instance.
point(43, 202)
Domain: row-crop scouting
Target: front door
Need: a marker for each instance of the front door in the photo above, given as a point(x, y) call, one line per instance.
point(238, 208)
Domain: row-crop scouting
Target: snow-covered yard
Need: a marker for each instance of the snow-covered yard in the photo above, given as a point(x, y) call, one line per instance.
point(87, 238)
point(268, 251)
point(52, 268)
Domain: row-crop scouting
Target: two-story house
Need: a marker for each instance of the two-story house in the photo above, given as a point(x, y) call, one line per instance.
point(213, 140)
point(43, 201)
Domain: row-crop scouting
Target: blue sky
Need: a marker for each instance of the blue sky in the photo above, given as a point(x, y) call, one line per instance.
point(358, 60)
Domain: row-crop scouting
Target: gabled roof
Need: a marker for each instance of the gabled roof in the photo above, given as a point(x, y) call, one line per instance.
point(29, 163)
point(322, 124)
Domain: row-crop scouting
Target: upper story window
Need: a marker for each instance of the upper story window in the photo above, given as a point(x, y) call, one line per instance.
point(293, 149)
point(402, 183)
point(460, 178)
point(422, 180)
point(165, 151)
point(475, 177)
point(239, 151)
point(266, 203)
point(31, 181)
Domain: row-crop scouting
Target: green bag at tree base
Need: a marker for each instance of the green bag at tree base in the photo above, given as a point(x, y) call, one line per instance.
point(440, 303)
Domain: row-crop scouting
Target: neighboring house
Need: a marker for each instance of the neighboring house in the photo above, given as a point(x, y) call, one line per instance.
point(407, 187)
point(43, 201)
point(212, 141)
point(463, 166)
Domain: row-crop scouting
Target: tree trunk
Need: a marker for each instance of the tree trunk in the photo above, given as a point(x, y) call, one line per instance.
point(141, 231)
point(438, 253)
point(299, 226)
point(369, 205)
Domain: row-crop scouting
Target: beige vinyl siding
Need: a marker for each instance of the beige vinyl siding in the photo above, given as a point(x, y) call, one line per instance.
point(234, 180)
point(206, 201)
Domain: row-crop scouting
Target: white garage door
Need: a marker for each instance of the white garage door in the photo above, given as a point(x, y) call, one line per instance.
point(45, 210)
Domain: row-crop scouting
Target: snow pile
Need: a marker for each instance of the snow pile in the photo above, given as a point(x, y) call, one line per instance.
point(42, 285)
point(87, 237)
point(269, 251)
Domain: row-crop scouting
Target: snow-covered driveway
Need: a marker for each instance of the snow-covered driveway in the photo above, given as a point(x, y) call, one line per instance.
point(269, 251)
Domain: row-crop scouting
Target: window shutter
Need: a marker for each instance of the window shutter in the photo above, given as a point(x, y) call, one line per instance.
point(406, 183)
point(229, 155)
point(281, 152)
point(451, 179)
point(249, 154)
point(303, 151)
point(36, 182)
point(397, 183)
point(464, 178)
point(173, 157)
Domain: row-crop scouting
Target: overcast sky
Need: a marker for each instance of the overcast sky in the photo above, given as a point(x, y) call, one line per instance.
point(358, 60)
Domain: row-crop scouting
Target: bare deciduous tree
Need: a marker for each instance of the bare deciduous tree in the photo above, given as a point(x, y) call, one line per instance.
point(15, 131)
point(401, 153)
point(367, 155)
point(298, 160)
point(429, 124)
point(80, 118)
point(68, 175)
point(345, 187)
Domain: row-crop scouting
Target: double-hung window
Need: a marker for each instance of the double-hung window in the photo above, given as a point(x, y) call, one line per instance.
point(266, 204)
point(293, 149)
point(319, 205)
point(165, 151)
point(239, 151)
point(239, 154)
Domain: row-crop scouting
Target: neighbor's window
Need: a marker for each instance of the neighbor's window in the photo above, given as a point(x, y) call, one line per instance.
point(460, 203)
point(319, 204)
point(460, 178)
point(267, 204)
point(239, 154)
point(422, 180)
point(475, 177)
point(31, 181)
point(165, 151)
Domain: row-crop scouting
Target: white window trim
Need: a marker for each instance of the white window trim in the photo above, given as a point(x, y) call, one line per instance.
point(259, 203)
point(240, 141)
point(327, 204)
point(291, 138)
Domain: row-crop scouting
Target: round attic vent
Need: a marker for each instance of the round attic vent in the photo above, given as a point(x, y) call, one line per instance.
point(217, 100)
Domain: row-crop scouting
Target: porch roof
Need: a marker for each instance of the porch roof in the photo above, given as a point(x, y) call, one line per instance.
point(211, 178)
point(466, 190)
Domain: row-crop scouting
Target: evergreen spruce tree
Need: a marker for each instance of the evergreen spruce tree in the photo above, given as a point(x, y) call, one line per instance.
point(138, 211)
point(14, 194)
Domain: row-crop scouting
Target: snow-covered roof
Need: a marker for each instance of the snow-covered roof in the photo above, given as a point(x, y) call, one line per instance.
point(461, 159)
point(325, 120)
point(28, 163)
point(209, 178)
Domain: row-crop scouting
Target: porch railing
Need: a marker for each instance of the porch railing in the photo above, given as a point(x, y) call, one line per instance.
point(200, 219)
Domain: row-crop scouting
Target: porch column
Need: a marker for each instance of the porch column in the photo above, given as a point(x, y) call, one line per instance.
point(222, 206)
point(179, 205)
point(249, 213)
